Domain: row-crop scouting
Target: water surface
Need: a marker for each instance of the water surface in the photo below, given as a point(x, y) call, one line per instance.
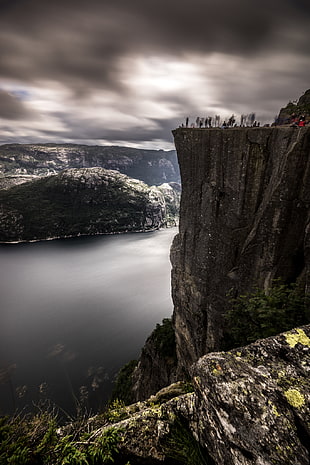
point(73, 311)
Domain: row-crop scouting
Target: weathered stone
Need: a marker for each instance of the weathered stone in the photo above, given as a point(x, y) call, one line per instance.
point(244, 220)
point(253, 402)
point(251, 406)
point(156, 367)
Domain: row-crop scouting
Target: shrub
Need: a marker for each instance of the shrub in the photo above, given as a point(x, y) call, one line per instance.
point(164, 338)
point(123, 384)
point(261, 314)
point(36, 440)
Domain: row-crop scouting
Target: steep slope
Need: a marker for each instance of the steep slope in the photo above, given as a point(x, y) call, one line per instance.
point(244, 221)
point(154, 167)
point(84, 201)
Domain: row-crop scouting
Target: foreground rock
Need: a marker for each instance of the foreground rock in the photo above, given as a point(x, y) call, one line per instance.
point(86, 201)
point(254, 402)
point(250, 407)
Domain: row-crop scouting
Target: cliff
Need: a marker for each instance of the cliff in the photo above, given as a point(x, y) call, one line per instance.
point(244, 221)
point(18, 162)
point(85, 201)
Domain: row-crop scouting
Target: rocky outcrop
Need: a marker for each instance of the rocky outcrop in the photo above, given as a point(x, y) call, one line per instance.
point(157, 364)
point(295, 109)
point(154, 167)
point(250, 406)
point(254, 402)
point(244, 221)
point(85, 201)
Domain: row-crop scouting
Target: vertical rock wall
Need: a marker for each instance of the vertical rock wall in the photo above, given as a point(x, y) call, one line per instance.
point(244, 221)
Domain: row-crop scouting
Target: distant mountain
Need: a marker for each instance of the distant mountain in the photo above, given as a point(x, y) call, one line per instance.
point(85, 201)
point(21, 162)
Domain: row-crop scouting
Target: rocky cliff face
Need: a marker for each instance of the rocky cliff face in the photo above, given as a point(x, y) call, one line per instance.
point(85, 201)
point(244, 221)
point(17, 161)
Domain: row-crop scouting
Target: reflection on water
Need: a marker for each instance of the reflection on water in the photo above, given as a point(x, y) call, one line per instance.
point(74, 311)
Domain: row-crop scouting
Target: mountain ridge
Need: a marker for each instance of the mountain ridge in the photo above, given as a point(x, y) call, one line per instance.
point(153, 167)
point(85, 201)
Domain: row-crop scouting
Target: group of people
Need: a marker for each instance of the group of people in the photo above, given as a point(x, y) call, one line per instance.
point(294, 120)
point(246, 121)
point(216, 122)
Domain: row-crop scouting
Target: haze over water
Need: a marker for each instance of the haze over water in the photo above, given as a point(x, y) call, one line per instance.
point(74, 311)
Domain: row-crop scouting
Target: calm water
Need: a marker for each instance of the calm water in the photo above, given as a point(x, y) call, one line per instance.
point(74, 311)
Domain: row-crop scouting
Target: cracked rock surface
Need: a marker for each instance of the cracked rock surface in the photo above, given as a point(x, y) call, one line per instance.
point(244, 221)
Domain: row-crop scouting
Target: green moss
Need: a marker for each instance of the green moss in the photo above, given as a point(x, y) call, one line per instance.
point(294, 398)
point(299, 336)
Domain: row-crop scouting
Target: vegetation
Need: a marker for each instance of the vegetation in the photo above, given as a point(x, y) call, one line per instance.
point(36, 440)
point(164, 338)
point(86, 201)
point(261, 314)
point(116, 412)
point(123, 384)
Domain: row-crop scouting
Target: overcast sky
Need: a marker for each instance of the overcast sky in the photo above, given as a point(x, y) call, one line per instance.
point(126, 72)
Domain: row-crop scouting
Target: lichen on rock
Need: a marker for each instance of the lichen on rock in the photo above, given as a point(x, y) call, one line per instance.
point(297, 336)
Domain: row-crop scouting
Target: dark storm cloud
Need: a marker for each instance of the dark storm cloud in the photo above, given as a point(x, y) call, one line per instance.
point(81, 43)
point(119, 70)
point(11, 107)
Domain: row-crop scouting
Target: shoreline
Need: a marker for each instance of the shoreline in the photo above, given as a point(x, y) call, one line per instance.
point(140, 231)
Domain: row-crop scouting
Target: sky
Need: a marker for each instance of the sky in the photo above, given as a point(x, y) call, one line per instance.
point(120, 72)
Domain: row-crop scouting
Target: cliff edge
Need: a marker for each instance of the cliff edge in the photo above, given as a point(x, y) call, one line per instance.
point(244, 221)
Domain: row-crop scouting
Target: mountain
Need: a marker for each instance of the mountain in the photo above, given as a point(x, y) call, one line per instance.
point(18, 162)
point(85, 201)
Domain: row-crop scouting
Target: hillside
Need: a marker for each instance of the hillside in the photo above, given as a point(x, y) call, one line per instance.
point(19, 161)
point(84, 201)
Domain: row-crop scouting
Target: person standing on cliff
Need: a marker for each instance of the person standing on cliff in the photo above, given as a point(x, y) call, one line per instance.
point(186, 123)
point(302, 121)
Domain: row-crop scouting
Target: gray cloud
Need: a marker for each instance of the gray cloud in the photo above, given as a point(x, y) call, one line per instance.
point(11, 107)
point(82, 42)
point(82, 46)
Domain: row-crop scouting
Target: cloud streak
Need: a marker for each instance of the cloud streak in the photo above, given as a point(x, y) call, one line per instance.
point(118, 68)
